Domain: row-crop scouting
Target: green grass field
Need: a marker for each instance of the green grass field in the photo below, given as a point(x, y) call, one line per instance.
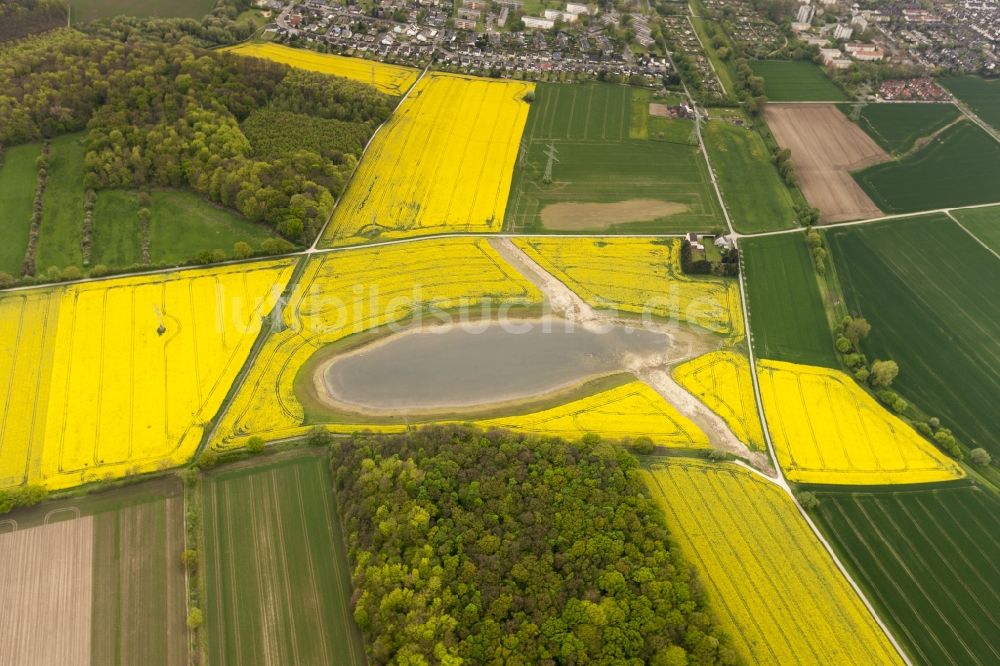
point(930, 561)
point(984, 223)
point(89, 10)
point(896, 127)
point(62, 213)
point(960, 167)
point(786, 313)
point(932, 296)
point(982, 96)
point(181, 225)
point(751, 186)
point(18, 180)
point(276, 567)
point(589, 126)
point(796, 81)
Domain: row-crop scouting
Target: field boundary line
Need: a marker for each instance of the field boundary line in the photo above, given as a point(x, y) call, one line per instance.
point(782, 483)
point(974, 236)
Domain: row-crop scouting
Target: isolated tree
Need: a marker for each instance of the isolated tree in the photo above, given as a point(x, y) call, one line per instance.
point(145, 201)
point(883, 373)
point(856, 330)
point(808, 500)
point(255, 445)
point(242, 250)
point(195, 618)
point(980, 457)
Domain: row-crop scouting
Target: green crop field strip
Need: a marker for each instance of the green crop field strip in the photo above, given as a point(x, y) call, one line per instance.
point(981, 95)
point(796, 81)
point(598, 162)
point(181, 225)
point(18, 179)
point(786, 311)
point(932, 296)
point(930, 559)
point(62, 212)
point(277, 574)
point(896, 127)
point(139, 604)
point(89, 10)
point(751, 186)
point(960, 167)
point(983, 223)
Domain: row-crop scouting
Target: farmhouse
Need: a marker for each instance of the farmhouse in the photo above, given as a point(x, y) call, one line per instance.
point(696, 244)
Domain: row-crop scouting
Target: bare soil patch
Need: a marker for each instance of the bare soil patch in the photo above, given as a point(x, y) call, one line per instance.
point(569, 216)
point(45, 593)
point(826, 146)
point(660, 110)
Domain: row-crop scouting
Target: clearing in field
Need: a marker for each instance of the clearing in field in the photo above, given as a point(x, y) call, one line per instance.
point(722, 381)
point(181, 225)
point(751, 186)
point(90, 10)
point(279, 584)
point(959, 167)
point(441, 164)
point(349, 293)
point(768, 579)
point(928, 558)
point(796, 81)
point(18, 181)
point(786, 310)
point(595, 144)
point(45, 593)
point(897, 128)
point(94, 390)
point(827, 429)
point(983, 223)
point(932, 296)
point(639, 276)
point(61, 230)
point(826, 147)
point(390, 79)
point(981, 95)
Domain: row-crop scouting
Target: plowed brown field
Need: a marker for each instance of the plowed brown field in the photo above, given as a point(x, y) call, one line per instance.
point(826, 146)
point(45, 594)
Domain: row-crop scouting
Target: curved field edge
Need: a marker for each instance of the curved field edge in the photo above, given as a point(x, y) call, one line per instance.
point(762, 566)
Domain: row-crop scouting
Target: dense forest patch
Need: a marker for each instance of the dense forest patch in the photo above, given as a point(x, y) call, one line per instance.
point(498, 547)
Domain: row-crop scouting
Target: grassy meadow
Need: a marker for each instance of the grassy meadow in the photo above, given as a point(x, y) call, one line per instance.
point(796, 81)
point(90, 10)
point(932, 296)
point(62, 212)
point(982, 95)
point(896, 127)
point(18, 181)
point(786, 311)
point(929, 558)
point(983, 223)
point(752, 188)
point(598, 162)
point(276, 566)
point(960, 167)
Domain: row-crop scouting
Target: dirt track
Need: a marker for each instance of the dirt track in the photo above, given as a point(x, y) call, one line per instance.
point(45, 594)
point(570, 216)
point(826, 147)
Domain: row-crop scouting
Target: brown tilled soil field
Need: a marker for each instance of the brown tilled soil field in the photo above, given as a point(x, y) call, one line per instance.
point(45, 594)
point(826, 147)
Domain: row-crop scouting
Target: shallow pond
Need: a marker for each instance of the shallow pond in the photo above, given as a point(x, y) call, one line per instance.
point(456, 367)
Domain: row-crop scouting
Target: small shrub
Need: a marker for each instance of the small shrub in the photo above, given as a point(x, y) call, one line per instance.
point(255, 445)
point(643, 445)
point(242, 250)
point(980, 457)
point(808, 500)
point(844, 345)
point(195, 618)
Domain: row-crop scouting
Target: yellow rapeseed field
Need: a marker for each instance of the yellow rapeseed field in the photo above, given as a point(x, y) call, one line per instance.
point(722, 380)
point(390, 79)
point(768, 579)
point(827, 429)
point(349, 292)
point(100, 393)
point(631, 410)
point(639, 276)
point(442, 164)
